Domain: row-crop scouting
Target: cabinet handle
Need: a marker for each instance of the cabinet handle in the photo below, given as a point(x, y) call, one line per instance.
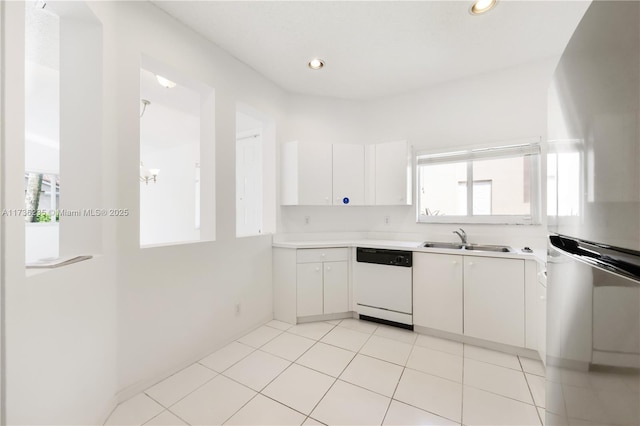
point(317, 269)
point(328, 268)
point(470, 263)
point(454, 262)
point(323, 254)
point(543, 298)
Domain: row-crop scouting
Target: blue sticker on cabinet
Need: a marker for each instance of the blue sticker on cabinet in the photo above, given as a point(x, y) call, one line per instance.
point(345, 200)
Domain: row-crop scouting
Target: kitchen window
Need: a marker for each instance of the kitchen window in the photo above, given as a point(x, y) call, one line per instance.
point(498, 184)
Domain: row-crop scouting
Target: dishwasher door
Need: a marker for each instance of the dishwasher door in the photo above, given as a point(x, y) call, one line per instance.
point(383, 291)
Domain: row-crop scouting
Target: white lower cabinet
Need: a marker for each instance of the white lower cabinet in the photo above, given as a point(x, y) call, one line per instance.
point(309, 283)
point(335, 280)
point(437, 291)
point(481, 297)
point(323, 288)
point(494, 299)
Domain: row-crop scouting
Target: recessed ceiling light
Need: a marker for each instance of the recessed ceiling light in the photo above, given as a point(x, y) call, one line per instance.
point(481, 6)
point(165, 82)
point(316, 64)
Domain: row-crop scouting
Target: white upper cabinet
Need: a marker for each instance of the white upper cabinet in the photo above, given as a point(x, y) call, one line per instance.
point(345, 174)
point(306, 174)
point(392, 174)
point(348, 174)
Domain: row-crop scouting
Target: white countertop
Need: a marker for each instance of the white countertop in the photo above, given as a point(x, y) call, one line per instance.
point(414, 246)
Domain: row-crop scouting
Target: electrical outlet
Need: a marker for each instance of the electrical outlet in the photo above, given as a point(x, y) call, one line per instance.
point(237, 309)
point(307, 219)
point(387, 219)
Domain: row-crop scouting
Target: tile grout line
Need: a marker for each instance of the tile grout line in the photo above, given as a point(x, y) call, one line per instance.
point(254, 349)
point(358, 352)
point(167, 408)
point(427, 411)
point(243, 405)
point(256, 394)
point(171, 412)
point(500, 395)
point(336, 378)
point(279, 374)
point(220, 372)
point(462, 390)
point(530, 391)
point(197, 387)
point(306, 416)
point(404, 368)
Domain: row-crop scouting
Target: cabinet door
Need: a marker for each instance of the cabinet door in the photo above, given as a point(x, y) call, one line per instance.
point(348, 174)
point(494, 299)
point(306, 174)
point(437, 291)
point(309, 285)
point(336, 287)
point(392, 174)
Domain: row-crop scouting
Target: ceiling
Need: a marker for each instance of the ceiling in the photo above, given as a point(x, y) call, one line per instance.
point(379, 48)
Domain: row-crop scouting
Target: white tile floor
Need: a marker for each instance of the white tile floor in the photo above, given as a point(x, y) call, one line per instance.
point(344, 372)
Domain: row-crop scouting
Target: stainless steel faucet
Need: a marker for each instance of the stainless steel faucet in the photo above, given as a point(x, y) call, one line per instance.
point(463, 235)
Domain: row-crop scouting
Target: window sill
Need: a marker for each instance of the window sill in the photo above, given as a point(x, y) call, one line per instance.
point(30, 272)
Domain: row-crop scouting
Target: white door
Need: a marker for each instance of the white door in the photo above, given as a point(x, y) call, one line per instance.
point(437, 291)
point(309, 285)
point(249, 185)
point(494, 299)
point(336, 287)
point(348, 174)
point(392, 174)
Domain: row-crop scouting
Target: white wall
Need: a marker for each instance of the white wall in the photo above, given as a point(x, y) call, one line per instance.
point(501, 106)
point(176, 303)
point(60, 324)
point(79, 338)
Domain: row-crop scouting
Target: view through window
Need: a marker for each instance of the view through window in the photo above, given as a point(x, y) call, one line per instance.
point(488, 185)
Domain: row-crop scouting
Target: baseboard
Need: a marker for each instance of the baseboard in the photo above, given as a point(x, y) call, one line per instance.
point(327, 317)
point(111, 405)
point(134, 389)
point(515, 350)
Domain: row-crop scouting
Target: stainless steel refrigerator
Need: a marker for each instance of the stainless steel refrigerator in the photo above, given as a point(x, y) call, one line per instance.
point(593, 187)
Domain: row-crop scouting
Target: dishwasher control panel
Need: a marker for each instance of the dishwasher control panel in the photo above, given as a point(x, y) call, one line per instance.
point(385, 257)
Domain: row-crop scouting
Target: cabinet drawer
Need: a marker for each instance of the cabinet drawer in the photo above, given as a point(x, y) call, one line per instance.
point(322, 255)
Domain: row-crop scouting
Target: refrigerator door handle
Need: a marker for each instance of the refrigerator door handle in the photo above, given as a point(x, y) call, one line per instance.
point(623, 262)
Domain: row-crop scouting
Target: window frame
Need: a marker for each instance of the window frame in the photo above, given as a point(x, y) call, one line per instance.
point(558, 147)
point(509, 149)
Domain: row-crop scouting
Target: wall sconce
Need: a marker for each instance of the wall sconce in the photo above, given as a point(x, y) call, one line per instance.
point(147, 175)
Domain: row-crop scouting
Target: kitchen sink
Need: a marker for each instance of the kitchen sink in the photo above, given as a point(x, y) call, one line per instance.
point(478, 247)
point(471, 247)
point(454, 246)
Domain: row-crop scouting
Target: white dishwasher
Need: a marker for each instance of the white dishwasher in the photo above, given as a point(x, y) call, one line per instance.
point(383, 286)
